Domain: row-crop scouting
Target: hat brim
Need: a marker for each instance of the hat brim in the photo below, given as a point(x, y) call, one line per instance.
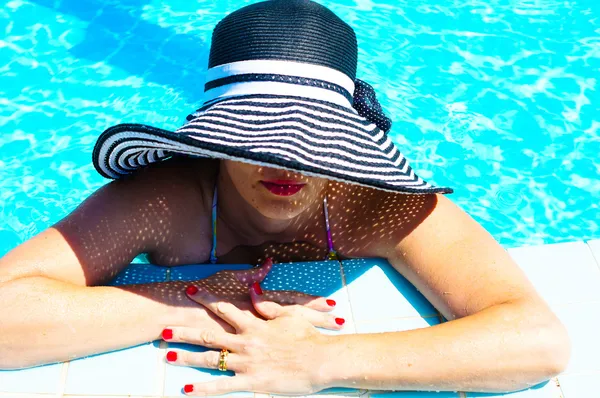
point(312, 137)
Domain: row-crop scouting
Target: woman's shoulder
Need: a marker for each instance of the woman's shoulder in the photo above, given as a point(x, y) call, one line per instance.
point(368, 203)
point(176, 193)
point(370, 221)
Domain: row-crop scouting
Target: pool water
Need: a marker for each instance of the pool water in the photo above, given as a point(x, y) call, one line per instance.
point(498, 99)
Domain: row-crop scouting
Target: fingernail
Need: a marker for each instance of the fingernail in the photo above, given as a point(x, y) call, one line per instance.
point(340, 321)
point(167, 334)
point(331, 303)
point(188, 388)
point(171, 356)
point(191, 290)
point(257, 288)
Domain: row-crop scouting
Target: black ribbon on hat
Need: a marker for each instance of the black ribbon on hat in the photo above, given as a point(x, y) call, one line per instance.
point(366, 104)
point(364, 101)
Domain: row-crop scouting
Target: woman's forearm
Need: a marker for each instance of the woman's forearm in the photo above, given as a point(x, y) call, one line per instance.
point(504, 348)
point(45, 321)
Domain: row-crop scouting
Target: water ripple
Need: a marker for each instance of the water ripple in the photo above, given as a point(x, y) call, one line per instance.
point(498, 99)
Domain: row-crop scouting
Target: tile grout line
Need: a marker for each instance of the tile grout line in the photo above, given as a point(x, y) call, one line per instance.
point(62, 382)
point(345, 286)
point(159, 389)
point(562, 394)
point(596, 259)
point(342, 274)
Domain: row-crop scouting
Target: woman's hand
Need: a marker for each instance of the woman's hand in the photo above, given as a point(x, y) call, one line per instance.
point(233, 287)
point(282, 355)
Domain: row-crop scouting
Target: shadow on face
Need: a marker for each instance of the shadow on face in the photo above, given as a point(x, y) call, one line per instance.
point(260, 187)
point(364, 222)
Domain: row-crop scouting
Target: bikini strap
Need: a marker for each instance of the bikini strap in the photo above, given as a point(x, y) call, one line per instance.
point(332, 255)
point(213, 252)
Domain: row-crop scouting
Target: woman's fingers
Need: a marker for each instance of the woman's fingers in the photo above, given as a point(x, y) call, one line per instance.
point(227, 311)
point(271, 310)
point(290, 297)
point(220, 386)
point(257, 274)
point(207, 359)
point(209, 338)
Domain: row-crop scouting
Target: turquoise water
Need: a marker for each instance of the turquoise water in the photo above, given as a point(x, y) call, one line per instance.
point(498, 99)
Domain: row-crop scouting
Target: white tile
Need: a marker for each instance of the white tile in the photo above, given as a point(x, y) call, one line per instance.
point(377, 291)
point(131, 371)
point(562, 273)
point(547, 389)
point(41, 379)
point(581, 321)
point(594, 246)
point(582, 386)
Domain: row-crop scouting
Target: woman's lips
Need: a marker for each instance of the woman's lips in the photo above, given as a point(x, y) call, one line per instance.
point(283, 187)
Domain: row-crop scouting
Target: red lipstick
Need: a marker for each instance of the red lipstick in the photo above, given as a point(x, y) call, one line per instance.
point(283, 187)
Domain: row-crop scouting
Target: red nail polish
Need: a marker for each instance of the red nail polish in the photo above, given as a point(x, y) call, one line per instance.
point(340, 321)
point(191, 290)
point(257, 288)
point(331, 303)
point(188, 388)
point(171, 356)
point(167, 334)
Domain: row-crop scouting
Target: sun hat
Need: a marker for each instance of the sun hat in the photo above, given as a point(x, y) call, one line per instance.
point(281, 91)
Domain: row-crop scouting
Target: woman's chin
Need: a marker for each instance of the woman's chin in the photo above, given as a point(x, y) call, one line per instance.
point(281, 213)
point(281, 208)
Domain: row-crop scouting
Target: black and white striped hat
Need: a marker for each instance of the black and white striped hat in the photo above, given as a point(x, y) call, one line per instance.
point(281, 91)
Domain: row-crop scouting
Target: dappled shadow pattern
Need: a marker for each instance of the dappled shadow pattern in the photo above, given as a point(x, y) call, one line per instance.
point(321, 278)
point(365, 223)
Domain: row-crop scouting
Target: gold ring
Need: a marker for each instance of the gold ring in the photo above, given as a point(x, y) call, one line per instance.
point(223, 360)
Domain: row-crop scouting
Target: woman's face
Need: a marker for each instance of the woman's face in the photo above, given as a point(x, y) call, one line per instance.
point(275, 193)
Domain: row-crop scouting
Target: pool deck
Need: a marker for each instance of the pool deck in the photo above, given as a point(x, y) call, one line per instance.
point(567, 275)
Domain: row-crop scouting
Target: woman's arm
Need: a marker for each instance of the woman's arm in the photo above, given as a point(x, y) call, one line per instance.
point(506, 347)
point(501, 335)
point(45, 320)
point(51, 307)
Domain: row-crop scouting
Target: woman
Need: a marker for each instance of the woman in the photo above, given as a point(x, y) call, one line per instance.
point(294, 150)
